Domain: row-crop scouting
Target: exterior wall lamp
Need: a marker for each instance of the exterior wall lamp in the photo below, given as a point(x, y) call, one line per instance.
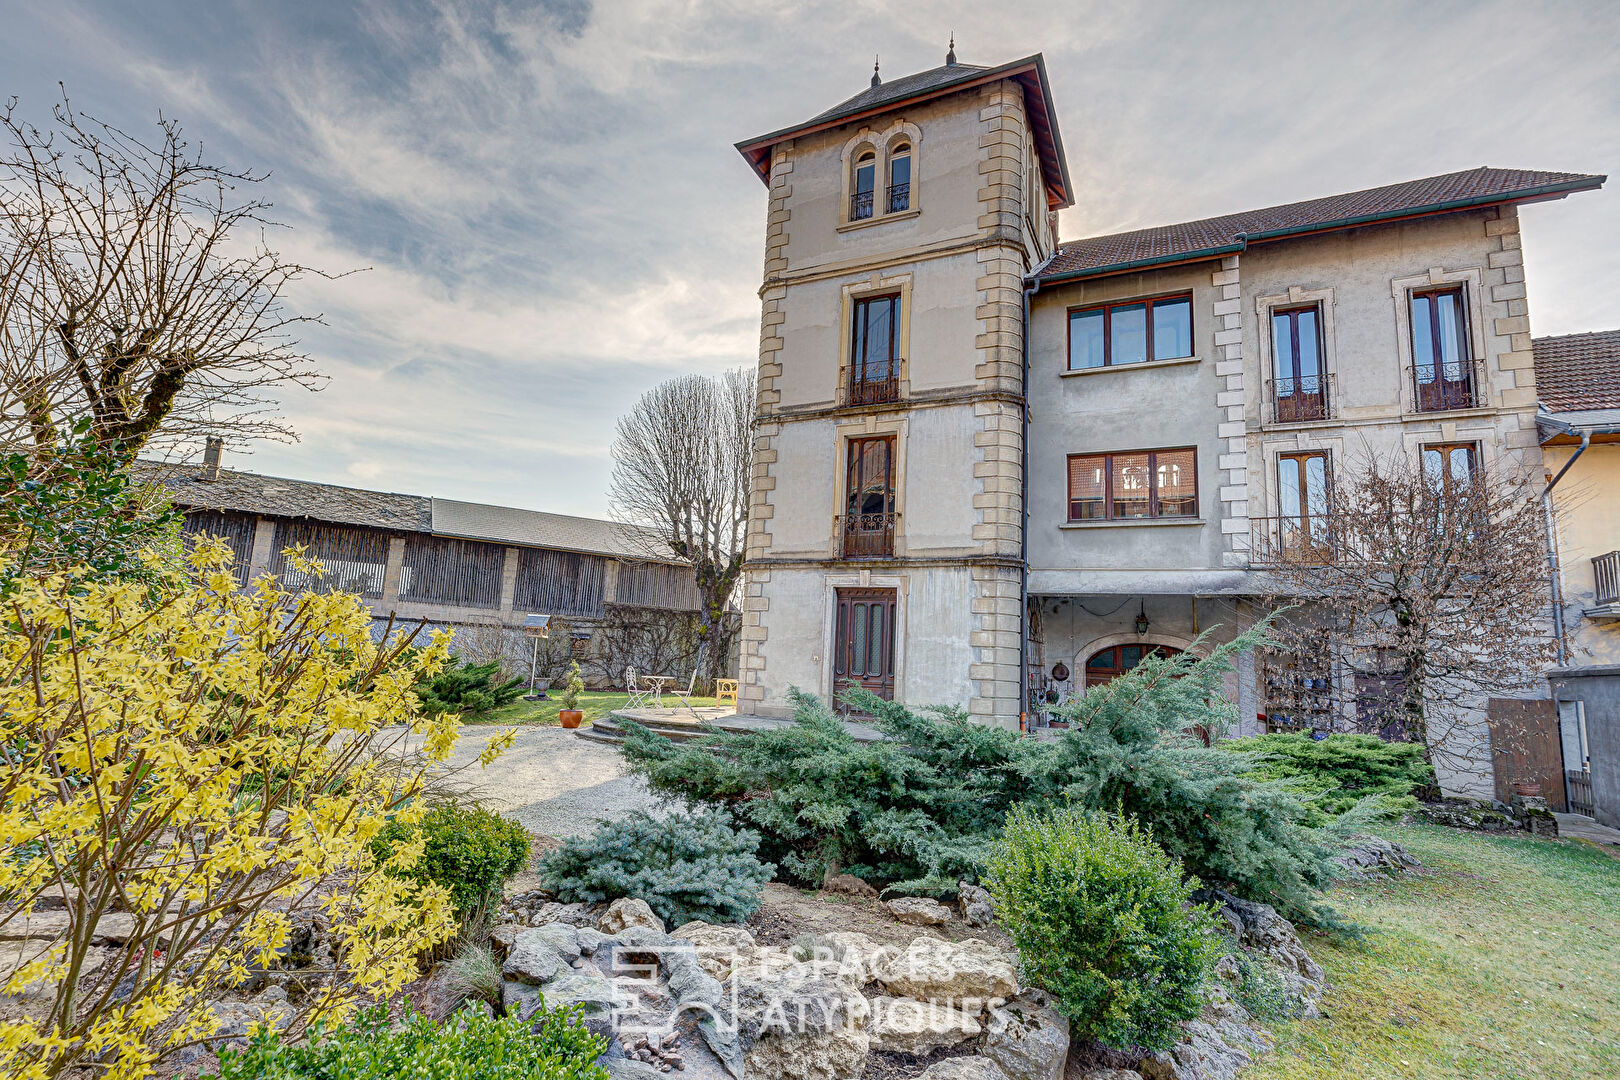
point(1142, 620)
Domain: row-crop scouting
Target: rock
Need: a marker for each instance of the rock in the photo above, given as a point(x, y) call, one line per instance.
point(442, 994)
point(502, 937)
point(1460, 813)
point(963, 972)
point(1201, 1054)
point(560, 936)
point(1263, 931)
point(848, 885)
point(1364, 855)
point(591, 939)
point(519, 998)
point(627, 912)
point(112, 927)
point(963, 1068)
point(720, 949)
point(834, 1055)
point(799, 1024)
point(553, 912)
point(919, 1027)
point(595, 994)
point(694, 991)
point(1109, 1074)
point(1028, 1038)
point(533, 959)
point(919, 911)
point(1534, 814)
point(978, 910)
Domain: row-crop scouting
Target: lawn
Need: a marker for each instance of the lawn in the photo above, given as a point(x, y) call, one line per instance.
point(1501, 959)
point(594, 703)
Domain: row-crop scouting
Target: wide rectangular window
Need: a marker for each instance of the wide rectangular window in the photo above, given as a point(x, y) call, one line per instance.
point(1442, 363)
point(1139, 484)
point(874, 364)
point(1299, 385)
point(1113, 335)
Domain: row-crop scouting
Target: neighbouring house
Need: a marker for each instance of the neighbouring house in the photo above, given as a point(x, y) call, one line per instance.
point(1578, 382)
point(479, 569)
point(993, 464)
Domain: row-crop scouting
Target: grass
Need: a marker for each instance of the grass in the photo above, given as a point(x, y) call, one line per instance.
point(1501, 959)
point(594, 703)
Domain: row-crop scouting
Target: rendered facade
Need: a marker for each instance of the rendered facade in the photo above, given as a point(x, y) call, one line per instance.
point(995, 468)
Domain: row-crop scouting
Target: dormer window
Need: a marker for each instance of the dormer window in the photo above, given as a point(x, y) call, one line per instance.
point(860, 198)
point(900, 178)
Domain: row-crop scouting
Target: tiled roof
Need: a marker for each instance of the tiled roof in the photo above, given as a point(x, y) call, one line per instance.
point(1232, 232)
point(275, 496)
point(534, 528)
point(1578, 372)
point(898, 89)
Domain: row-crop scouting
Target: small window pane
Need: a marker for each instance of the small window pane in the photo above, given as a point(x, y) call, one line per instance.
point(1133, 496)
point(1129, 656)
point(1289, 486)
point(1282, 352)
point(1178, 484)
point(900, 169)
point(874, 640)
point(1448, 318)
point(1309, 362)
point(1103, 661)
point(1316, 486)
point(1128, 330)
point(1086, 340)
point(1087, 488)
point(1172, 329)
point(857, 649)
point(1422, 339)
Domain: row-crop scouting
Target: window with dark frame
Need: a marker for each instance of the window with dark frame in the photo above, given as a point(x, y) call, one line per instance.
point(874, 364)
point(1447, 465)
point(1131, 332)
point(865, 181)
point(900, 178)
point(1442, 362)
point(869, 517)
point(1299, 381)
point(1138, 484)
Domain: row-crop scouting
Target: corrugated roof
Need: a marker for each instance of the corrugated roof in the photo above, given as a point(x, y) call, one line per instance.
point(275, 496)
point(535, 528)
point(1578, 372)
point(1211, 237)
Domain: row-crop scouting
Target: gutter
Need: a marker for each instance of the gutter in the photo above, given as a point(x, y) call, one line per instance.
point(1241, 241)
point(1031, 286)
point(1555, 576)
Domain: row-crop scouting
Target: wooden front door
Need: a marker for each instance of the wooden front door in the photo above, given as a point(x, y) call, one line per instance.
point(863, 641)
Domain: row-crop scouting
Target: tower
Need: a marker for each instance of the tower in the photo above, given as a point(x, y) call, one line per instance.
point(886, 532)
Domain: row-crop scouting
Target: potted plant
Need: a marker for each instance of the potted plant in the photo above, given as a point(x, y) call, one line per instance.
point(570, 715)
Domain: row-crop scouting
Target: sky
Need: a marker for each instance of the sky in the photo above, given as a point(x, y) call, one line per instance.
point(550, 217)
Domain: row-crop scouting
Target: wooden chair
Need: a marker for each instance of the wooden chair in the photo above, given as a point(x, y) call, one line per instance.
point(640, 696)
point(725, 690)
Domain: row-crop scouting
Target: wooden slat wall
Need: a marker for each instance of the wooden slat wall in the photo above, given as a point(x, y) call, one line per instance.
point(462, 572)
point(657, 585)
point(559, 582)
point(235, 529)
point(355, 559)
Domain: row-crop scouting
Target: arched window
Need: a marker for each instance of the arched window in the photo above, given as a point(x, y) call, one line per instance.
point(865, 181)
point(1109, 664)
point(900, 178)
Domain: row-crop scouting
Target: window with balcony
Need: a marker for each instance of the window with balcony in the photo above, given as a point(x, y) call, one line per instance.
point(874, 368)
point(862, 186)
point(1442, 361)
point(900, 178)
point(1142, 484)
point(1299, 379)
point(1112, 335)
point(1303, 523)
point(869, 517)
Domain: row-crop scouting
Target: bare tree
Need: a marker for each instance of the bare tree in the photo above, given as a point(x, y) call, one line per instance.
point(136, 289)
point(681, 467)
point(1411, 593)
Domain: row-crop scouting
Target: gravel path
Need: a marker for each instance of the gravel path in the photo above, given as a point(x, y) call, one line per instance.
point(552, 781)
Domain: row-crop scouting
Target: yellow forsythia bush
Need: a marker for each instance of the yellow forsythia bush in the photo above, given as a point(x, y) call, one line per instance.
point(187, 764)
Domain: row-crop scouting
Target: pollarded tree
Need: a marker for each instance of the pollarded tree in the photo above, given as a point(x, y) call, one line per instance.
point(681, 467)
point(1415, 590)
point(137, 292)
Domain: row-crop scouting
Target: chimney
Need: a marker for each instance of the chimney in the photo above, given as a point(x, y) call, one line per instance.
point(212, 451)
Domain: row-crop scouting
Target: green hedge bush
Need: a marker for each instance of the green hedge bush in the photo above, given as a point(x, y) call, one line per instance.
point(920, 810)
point(466, 849)
point(694, 866)
point(473, 1046)
point(1103, 921)
point(1335, 773)
point(469, 689)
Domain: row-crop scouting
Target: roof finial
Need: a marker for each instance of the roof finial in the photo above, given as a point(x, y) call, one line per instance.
point(950, 55)
point(877, 80)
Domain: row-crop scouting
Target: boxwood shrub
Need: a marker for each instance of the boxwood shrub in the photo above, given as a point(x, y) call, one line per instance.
point(468, 850)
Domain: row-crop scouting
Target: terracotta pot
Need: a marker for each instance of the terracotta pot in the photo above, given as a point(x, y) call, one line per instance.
point(1527, 788)
point(571, 717)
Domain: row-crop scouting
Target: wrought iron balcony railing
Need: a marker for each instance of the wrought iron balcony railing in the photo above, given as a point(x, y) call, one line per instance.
point(899, 198)
point(1296, 400)
point(1293, 541)
point(860, 205)
point(875, 389)
point(867, 536)
point(1442, 387)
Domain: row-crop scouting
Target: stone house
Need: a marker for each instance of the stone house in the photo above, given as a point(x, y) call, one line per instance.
point(1578, 383)
point(992, 464)
point(476, 568)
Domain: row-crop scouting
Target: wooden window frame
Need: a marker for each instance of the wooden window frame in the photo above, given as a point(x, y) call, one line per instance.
point(1153, 484)
point(1292, 313)
point(1445, 449)
point(1108, 329)
point(862, 390)
point(1465, 348)
point(869, 535)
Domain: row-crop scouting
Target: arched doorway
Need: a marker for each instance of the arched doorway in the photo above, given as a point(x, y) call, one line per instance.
point(1106, 665)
